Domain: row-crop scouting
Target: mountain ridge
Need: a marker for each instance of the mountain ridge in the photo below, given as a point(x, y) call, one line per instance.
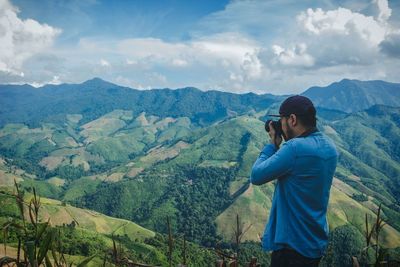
point(354, 95)
point(92, 145)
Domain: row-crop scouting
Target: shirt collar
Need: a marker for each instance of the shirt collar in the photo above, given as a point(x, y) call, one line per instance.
point(309, 131)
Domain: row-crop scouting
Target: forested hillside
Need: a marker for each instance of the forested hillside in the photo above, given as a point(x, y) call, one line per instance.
point(184, 154)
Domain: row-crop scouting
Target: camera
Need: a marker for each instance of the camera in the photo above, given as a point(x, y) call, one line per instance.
point(277, 126)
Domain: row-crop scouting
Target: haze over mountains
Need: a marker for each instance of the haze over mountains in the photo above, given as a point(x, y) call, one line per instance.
point(93, 98)
point(187, 154)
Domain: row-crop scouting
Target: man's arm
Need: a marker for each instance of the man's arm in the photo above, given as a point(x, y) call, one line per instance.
point(272, 163)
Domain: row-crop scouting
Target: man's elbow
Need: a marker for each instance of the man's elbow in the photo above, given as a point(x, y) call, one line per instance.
point(256, 178)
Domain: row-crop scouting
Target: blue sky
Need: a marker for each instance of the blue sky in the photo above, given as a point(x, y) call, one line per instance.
point(167, 20)
point(261, 46)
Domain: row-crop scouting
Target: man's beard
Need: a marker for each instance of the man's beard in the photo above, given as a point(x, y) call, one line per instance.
point(290, 133)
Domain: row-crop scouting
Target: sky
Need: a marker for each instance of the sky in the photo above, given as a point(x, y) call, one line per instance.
point(260, 46)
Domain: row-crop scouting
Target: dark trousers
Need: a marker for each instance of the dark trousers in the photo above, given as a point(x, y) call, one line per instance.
point(291, 258)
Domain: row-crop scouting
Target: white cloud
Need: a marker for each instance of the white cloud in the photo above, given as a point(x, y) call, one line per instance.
point(21, 39)
point(343, 22)
point(317, 44)
point(335, 37)
point(56, 80)
point(294, 56)
point(210, 59)
point(261, 46)
point(131, 62)
point(206, 50)
point(252, 66)
point(324, 46)
point(179, 62)
point(384, 11)
point(104, 63)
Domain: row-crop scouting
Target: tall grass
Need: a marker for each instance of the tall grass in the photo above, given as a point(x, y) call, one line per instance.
point(37, 241)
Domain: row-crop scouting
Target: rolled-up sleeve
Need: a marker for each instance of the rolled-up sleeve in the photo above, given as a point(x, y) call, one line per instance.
point(272, 163)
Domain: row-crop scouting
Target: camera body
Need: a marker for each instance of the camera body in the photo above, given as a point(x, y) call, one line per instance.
point(277, 126)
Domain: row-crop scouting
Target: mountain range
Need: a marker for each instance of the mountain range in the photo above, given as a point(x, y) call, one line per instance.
point(353, 95)
point(187, 154)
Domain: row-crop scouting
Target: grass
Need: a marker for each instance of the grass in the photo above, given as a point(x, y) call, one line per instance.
point(117, 148)
point(7, 178)
point(60, 214)
point(217, 143)
point(364, 167)
point(45, 214)
point(253, 206)
point(81, 186)
point(115, 177)
point(57, 181)
point(74, 118)
point(12, 252)
point(51, 163)
point(11, 128)
point(343, 209)
point(63, 139)
point(69, 156)
point(134, 171)
point(105, 125)
point(218, 163)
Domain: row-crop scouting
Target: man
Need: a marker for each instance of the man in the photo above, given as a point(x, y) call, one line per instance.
point(297, 230)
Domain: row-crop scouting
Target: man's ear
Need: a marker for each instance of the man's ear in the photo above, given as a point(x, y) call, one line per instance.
point(294, 120)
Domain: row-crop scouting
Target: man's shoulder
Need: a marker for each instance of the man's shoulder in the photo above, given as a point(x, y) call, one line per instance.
point(317, 143)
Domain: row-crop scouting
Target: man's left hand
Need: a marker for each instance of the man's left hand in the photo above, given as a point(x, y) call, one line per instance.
point(276, 140)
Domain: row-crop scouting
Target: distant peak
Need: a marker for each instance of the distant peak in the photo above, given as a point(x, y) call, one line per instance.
point(362, 82)
point(97, 81)
point(349, 80)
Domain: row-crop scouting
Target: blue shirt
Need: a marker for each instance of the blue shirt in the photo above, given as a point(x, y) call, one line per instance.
point(304, 168)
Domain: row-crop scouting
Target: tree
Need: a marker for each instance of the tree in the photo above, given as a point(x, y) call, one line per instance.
point(344, 243)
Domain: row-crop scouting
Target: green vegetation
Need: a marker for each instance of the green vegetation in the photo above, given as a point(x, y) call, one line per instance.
point(192, 197)
point(146, 177)
point(360, 197)
point(35, 241)
point(349, 247)
point(146, 156)
point(345, 242)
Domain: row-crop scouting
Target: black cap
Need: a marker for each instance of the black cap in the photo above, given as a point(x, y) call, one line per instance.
point(298, 105)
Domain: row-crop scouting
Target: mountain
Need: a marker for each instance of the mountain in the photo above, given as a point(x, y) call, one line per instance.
point(353, 95)
point(94, 98)
point(186, 154)
point(162, 167)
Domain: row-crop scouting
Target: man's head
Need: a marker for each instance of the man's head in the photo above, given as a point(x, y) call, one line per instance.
point(298, 115)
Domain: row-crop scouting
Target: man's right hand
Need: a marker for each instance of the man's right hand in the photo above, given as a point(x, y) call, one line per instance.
point(276, 140)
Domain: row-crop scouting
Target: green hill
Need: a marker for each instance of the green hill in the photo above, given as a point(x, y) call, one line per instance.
point(90, 220)
point(147, 176)
point(143, 161)
point(82, 233)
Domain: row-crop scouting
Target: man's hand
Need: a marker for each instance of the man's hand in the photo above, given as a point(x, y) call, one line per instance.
point(276, 140)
